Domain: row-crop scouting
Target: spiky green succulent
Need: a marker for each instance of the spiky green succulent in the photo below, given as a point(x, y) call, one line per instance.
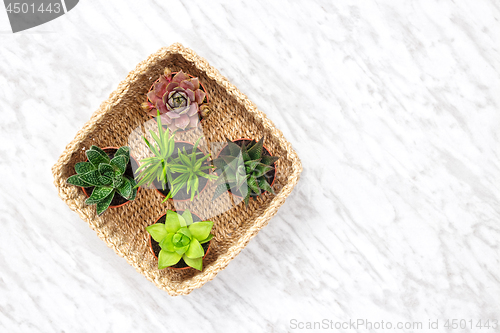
point(157, 167)
point(181, 238)
point(106, 175)
point(190, 168)
point(244, 169)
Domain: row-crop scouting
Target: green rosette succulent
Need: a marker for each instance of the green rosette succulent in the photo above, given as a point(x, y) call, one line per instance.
point(180, 238)
point(244, 169)
point(106, 175)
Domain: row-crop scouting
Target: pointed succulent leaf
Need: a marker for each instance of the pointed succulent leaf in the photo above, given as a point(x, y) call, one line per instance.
point(118, 181)
point(244, 153)
point(125, 188)
point(263, 184)
point(76, 180)
point(251, 165)
point(221, 188)
point(172, 221)
point(125, 152)
point(247, 198)
point(252, 184)
point(195, 249)
point(101, 206)
point(134, 188)
point(105, 180)
point(167, 259)
point(120, 162)
point(97, 157)
point(261, 170)
point(91, 178)
point(84, 167)
point(255, 151)
point(188, 217)
point(195, 263)
point(158, 231)
point(185, 231)
point(182, 250)
point(166, 243)
point(106, 170)
point(201, 230)
point(208, 239)
point(234, 149)
point(269, 160)
point(98, 194)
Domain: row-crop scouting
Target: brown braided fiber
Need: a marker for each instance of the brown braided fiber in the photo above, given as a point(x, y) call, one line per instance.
point(233, 116)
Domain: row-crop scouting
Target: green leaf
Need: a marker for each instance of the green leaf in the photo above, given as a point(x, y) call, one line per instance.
point(252, 184)
point(125, 188)
point(167, 243)
point(105, 180)
point(101, 206)
point(172, 221)
point(106, 170)
point(234, 149)
point(99, 194)
point(263, 184)
point(125, 152)
point(195, 263)
point(247, 198)
point(84, 167)
point(208, 239)
point(251, 165)
point(182, 250)
point(187, 217)
point(269, 160)
point(167, 259)
point(195, 249)
point(185, 231)
point(201, 230)
point(97, 157)
point(134, 188)
point(244, 153)
point(120, 162)
point(76, 180)
point(158, 232)
point(91, 178)
point(255, 151)
point(261, 170)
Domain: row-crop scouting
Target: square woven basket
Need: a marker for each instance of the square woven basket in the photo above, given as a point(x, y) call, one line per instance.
point(233, 116)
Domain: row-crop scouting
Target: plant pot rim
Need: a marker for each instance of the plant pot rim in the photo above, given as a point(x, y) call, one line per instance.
point(153, 252)
point(126, 202)
point(203, 189)
point(201, 84)
point(241, 139)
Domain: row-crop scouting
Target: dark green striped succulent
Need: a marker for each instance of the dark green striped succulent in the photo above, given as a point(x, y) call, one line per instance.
point(244, 170)
point(106, 175)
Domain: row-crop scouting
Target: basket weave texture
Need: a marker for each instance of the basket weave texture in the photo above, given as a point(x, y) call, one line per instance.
point(233, 116)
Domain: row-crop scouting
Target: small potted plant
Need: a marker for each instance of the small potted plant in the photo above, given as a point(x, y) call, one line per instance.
point(106, 178)
point(245, 169)
point(180, 240)
point(175, 171)
point(179, 98)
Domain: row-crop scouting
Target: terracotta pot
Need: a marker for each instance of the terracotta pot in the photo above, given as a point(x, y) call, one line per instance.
point(151, 240)
point(188, 199)
point(130, 162)
point(247, 139)
point(206, 98)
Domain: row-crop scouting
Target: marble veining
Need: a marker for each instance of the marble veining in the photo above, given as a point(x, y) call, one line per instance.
point(393, 107)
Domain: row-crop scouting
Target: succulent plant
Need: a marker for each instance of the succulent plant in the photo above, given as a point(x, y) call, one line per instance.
point(244, 169)
point(180, 238)
point(190, 168)
point(157, 167)
point(106, 175)
point(178, 98)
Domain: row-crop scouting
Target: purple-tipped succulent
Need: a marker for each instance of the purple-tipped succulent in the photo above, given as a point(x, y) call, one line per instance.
point(179, 100)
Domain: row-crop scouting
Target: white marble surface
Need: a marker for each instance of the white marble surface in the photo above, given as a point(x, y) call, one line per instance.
point(393, 107)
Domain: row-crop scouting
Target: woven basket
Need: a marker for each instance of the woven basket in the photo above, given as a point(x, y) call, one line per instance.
point(233, 116)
